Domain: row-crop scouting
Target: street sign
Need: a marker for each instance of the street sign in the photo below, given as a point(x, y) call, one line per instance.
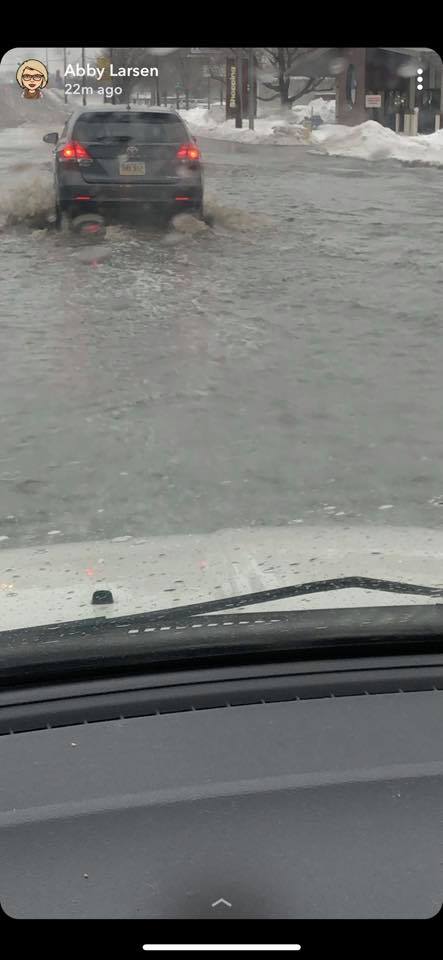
point(231, 88)
point(373, 100)
point(232, 91)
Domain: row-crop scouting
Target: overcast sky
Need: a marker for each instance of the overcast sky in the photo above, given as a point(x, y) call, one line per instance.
point(12, 59)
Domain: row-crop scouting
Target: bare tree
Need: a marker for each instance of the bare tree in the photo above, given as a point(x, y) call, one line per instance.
point(285, 62)
point(129, 57)
point(177, 69)
point(216, 63)
point(190, 72)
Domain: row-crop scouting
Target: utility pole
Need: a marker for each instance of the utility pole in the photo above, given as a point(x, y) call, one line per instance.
point(64, 75)
point(251, 89)
point(84, 88)
point(239, 114)
point(110, 61)
point(157, 84)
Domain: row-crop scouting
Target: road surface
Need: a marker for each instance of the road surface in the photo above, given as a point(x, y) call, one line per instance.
point(282, 367)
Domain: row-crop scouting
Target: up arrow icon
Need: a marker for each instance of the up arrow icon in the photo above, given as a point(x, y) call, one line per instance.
point(218, 903)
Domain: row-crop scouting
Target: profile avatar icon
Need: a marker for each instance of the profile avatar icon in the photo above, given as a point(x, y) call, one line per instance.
point(32, 76)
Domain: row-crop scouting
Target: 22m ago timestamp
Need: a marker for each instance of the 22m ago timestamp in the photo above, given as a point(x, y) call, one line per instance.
point(76, 89)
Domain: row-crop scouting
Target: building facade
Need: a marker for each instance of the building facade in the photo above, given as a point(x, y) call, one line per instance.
point(400, 87)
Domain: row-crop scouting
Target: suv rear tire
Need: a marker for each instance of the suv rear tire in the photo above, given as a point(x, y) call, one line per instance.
point(89, 226)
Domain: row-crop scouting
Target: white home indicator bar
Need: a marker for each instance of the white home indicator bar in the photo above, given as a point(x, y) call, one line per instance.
point(188, 947)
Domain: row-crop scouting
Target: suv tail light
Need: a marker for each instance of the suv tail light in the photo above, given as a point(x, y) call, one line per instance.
point(188, 151)
point(74, 151)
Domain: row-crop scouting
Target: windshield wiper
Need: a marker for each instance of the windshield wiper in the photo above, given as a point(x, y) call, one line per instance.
point(184, 612)
point(296, 590)
point(277, 593)
point(101, 647)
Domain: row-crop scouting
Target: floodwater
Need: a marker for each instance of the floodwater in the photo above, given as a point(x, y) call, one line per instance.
point(280, 366)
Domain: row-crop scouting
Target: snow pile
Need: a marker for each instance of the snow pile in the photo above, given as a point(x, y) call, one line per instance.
point(15, 110)
point(372, 141)
point(25, 137)
point(325, 109)
point(22, 149)
point(284, 127)
point(275, 129)
point(202, 117)
point(435, 139)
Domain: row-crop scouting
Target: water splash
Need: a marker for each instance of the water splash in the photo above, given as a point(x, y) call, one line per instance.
point(233, 218)
point(30, 203)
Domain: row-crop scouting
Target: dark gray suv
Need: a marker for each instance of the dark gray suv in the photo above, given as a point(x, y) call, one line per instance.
point(121, 158)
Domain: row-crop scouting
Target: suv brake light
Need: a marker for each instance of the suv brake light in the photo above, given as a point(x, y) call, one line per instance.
point(188, 151)
point(74, 151)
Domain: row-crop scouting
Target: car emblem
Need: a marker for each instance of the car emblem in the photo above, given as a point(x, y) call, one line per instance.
point(131, 151)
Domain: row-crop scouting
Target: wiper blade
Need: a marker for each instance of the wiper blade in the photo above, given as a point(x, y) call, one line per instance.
point(279, 593)
point(104, 647)
point(187, 611)
point(304, 589)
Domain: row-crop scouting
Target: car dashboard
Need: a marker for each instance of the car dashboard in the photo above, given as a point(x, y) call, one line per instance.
point(308, 790)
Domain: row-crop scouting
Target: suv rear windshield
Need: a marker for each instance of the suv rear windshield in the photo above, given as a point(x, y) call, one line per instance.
point(142, 127)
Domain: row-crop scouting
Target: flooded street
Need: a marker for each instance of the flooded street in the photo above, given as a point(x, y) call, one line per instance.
point(280, 366)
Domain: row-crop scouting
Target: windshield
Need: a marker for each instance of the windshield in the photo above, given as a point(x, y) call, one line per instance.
point(220, 354)
point(149, 128)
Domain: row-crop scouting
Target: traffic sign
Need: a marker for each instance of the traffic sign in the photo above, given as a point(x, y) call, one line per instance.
point(373, 100)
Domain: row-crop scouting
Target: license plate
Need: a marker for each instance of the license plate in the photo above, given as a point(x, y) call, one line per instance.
point(128, 168)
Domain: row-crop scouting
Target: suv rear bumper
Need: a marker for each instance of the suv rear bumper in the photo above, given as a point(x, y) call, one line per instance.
point(95, 197)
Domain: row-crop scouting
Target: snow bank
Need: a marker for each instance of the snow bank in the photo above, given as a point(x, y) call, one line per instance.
point(202, 117)
point(25, 137)
point(325, 109)
point(372, 141)
point(368, 141)
point(21, 149)
point(15, 110)
point(275, 129)
point(284, 127)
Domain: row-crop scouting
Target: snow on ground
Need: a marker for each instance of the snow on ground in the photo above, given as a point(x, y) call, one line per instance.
point(284, 127)
point(275, 129)
point(22, 125)
point(325, 109)
point(368, 141)
point(372, 141)
point(15, 110)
